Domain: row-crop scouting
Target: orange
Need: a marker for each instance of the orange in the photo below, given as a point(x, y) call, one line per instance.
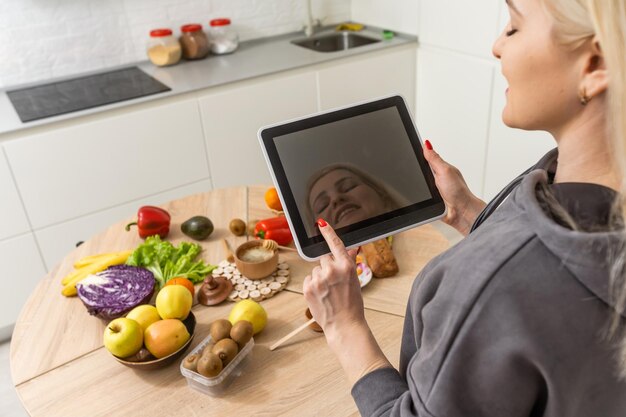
point(272, 200)
point(184, 282)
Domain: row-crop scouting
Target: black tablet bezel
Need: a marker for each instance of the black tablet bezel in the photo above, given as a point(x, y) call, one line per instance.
point(366, 230)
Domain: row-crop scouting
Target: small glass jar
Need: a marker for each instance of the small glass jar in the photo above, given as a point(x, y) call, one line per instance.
point(222, 37)
point(163, 48)
point(194, 42)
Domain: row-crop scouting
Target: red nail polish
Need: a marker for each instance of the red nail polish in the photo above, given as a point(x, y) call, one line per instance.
point(429, 146)
point(321, 223)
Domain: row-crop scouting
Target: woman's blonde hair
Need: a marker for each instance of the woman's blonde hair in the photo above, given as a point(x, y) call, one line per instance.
point(576, 22)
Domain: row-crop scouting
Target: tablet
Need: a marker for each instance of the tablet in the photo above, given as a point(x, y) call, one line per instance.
point(360, 168)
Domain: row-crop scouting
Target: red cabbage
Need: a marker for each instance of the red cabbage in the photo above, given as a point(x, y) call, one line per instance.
point(116, 290)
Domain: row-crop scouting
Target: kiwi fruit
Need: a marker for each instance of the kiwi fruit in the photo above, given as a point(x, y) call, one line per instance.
point(220, 329)
point(191, 362)
point(226, 350)
point(209, 365)
point(143, 355)
point(237, 227)
point(207, 349)
point(241, 332)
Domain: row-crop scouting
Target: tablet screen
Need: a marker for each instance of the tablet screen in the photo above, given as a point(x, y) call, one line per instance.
point(352, 170)
point(360, 168)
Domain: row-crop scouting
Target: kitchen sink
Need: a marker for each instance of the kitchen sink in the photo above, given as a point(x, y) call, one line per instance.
point(339, 41)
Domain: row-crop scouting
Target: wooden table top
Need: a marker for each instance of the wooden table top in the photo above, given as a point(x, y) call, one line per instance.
point(60, 367)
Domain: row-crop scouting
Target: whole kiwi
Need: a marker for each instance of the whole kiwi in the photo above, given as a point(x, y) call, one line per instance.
point(209, 365)
point(226, 350)
point(241, 332)
point(207, 349)
point(237, 227)
point(220, 329)
point(191, 362)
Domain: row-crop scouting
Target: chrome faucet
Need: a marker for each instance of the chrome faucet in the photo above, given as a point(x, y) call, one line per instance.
point(309, 26)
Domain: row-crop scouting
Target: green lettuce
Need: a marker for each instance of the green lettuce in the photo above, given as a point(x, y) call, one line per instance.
point(167, 261)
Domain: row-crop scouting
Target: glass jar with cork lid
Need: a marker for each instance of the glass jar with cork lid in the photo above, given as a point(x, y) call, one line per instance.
point(194, 41)
point(163, 48)
point(222, 37)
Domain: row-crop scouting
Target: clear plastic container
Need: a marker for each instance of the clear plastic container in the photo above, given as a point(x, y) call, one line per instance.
point(194, 41)
point(222, 37)
point(217, 386)
point(163, 48)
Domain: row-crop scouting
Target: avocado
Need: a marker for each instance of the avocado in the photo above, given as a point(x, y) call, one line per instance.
point(197, 228)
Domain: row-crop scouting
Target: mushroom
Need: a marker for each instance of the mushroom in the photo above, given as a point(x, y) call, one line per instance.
point(214, 290)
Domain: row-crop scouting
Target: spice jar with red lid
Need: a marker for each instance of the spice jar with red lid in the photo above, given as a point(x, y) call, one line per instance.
point(222, 38)
point(194, 41)
point(163, 48)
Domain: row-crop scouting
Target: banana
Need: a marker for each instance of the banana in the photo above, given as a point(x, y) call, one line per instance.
point(99, 264)
point(87, 260)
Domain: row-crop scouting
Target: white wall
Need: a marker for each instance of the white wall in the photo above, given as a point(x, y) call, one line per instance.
point(460, 94)
point(399, 15)
point(42, 39)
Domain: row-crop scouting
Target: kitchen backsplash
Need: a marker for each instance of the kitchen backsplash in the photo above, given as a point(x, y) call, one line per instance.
point(43, 39)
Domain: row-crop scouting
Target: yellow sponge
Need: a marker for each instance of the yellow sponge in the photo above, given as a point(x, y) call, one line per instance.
point(353, 27)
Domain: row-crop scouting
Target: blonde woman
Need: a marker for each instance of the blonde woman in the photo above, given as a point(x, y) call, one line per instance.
point(525, 316)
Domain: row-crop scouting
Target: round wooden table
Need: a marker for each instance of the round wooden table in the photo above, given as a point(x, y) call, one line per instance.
point(60, 368)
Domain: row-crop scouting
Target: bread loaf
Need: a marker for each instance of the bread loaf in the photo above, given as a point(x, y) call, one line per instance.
point(380, 258)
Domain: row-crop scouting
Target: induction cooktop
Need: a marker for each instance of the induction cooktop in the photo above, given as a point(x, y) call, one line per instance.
point(39, 102)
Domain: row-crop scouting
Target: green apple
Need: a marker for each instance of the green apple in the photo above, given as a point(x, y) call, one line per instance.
point(123, 337)
point(145, 315)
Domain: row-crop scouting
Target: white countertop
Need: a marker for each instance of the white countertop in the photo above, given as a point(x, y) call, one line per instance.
point(252, 59)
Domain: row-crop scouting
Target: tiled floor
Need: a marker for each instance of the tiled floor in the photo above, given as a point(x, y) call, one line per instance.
point(10, 405)
point(9, 401)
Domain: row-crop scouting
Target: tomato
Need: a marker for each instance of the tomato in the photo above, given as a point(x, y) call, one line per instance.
point(184, 282)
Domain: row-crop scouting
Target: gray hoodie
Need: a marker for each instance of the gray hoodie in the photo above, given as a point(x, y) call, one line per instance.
point(508, 323)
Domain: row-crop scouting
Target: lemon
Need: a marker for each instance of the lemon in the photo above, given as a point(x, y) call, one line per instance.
point(251, 311)
point(174, 302)
point(145, 315)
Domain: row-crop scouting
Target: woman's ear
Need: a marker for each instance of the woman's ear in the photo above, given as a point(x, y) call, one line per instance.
point(595, 78)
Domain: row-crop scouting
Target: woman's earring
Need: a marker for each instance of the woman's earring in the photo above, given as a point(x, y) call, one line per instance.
point(583, 97)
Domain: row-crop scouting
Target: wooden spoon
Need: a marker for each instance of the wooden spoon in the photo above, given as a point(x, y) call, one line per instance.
point(229, 252)
point(292, 334)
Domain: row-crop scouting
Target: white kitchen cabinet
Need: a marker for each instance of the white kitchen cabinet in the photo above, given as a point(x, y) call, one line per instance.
point(58, 240)
point(12, 213)
point(72, 171)
point(369, 76)
point(453, 109)
point(22, 268)
point(232, 118)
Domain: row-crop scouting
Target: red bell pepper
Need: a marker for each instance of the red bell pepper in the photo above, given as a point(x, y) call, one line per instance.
point(275, 228)
point(151, 221)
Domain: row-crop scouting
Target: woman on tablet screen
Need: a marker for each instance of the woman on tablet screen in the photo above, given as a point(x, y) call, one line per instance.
point(526, 315)
point(344, 194)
